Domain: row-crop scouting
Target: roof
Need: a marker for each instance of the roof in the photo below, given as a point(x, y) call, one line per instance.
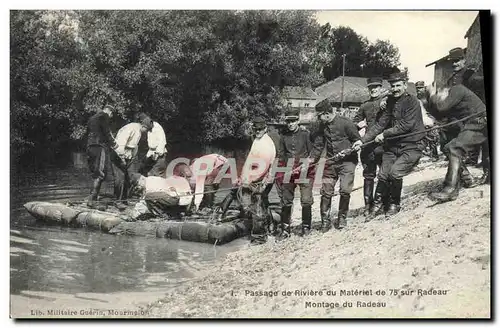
point(441, 59)
point(355, 89)
point(476, 21)
point(437, 61)
point(297, 92)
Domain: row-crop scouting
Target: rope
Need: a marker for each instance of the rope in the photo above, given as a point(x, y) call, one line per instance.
point(406, 135)
point(338, 155)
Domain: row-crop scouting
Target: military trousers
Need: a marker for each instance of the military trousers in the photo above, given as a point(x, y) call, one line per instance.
point(371, 158)
point(398, 161)
point(333, 172)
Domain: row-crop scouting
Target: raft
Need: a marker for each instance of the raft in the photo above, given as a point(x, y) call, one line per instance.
point(195, 228)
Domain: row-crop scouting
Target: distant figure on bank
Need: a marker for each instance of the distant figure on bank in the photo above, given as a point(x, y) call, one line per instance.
point(100, 144)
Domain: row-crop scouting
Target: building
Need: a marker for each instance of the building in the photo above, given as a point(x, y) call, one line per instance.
point(303, 98)
point(474, 54)
point(443, 70)
point(354, 94)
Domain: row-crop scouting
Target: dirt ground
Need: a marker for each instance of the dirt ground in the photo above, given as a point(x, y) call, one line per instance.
point(427, 262)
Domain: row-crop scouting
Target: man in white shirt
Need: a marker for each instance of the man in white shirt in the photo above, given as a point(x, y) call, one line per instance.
point(154, 163)
point(161, 195)
point(204, 171)
point(255, 175)
point(127, 140)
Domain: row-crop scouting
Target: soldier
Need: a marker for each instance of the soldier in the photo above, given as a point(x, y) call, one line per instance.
point(275, 135)
point(371, 156)
point(127, 139)
point(154, 163)
point(295, 145)
point(209, 167)
point(254, 178)
point(432, 137)
point(160, 195)
point(100, 145)
point(402, 116)
point(457, 103)
point(337, 133)
point(473, 81)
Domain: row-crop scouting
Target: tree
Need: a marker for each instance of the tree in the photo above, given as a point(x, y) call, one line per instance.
point(381, 58)
point(362, 57)
point(201, 74)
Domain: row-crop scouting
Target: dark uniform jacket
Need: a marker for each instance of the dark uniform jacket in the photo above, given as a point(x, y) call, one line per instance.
point(294, 144)
point(460, 103)
point(403, 115)
point(275, 136)
point(337, 135)
point(369, 110)
point(99, 133)
point(471, 79)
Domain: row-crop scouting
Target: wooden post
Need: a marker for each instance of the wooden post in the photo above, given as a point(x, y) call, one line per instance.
point(342, 90)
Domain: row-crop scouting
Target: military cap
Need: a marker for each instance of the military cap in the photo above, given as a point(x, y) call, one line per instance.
point(456, 54)
point(397, 76)
point(292, 113)
point(323, 106)
point(420, 84)
point(259, 123)
point(374, 81)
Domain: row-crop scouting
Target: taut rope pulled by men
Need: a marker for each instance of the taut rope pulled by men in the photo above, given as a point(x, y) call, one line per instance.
point(338, 156)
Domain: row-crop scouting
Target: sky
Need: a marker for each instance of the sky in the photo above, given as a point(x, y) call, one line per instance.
point(421, 36)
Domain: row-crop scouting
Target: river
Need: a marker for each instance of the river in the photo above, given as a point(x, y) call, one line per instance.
point(49, 258)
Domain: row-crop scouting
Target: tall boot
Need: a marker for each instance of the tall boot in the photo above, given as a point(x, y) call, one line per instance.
point(326, 222)
point(286, 213)
point(341, 221)
point(466, 178)
point(368, 195)
point(485, 178)
point(306, 220)
point(434, 152)
point(94, 193)
point(395, 197)
point(224, 206)
point(378, 200)
point(451, 181)
point(208, 198)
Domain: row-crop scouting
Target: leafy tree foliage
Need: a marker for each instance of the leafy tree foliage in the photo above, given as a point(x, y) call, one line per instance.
point(362, 58)
point(201, 74)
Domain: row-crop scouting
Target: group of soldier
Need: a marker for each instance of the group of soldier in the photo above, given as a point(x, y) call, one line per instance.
point(390, 130)
point(397, 127)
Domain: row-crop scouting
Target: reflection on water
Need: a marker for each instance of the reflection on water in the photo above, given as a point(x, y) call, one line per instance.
point(61, 259)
